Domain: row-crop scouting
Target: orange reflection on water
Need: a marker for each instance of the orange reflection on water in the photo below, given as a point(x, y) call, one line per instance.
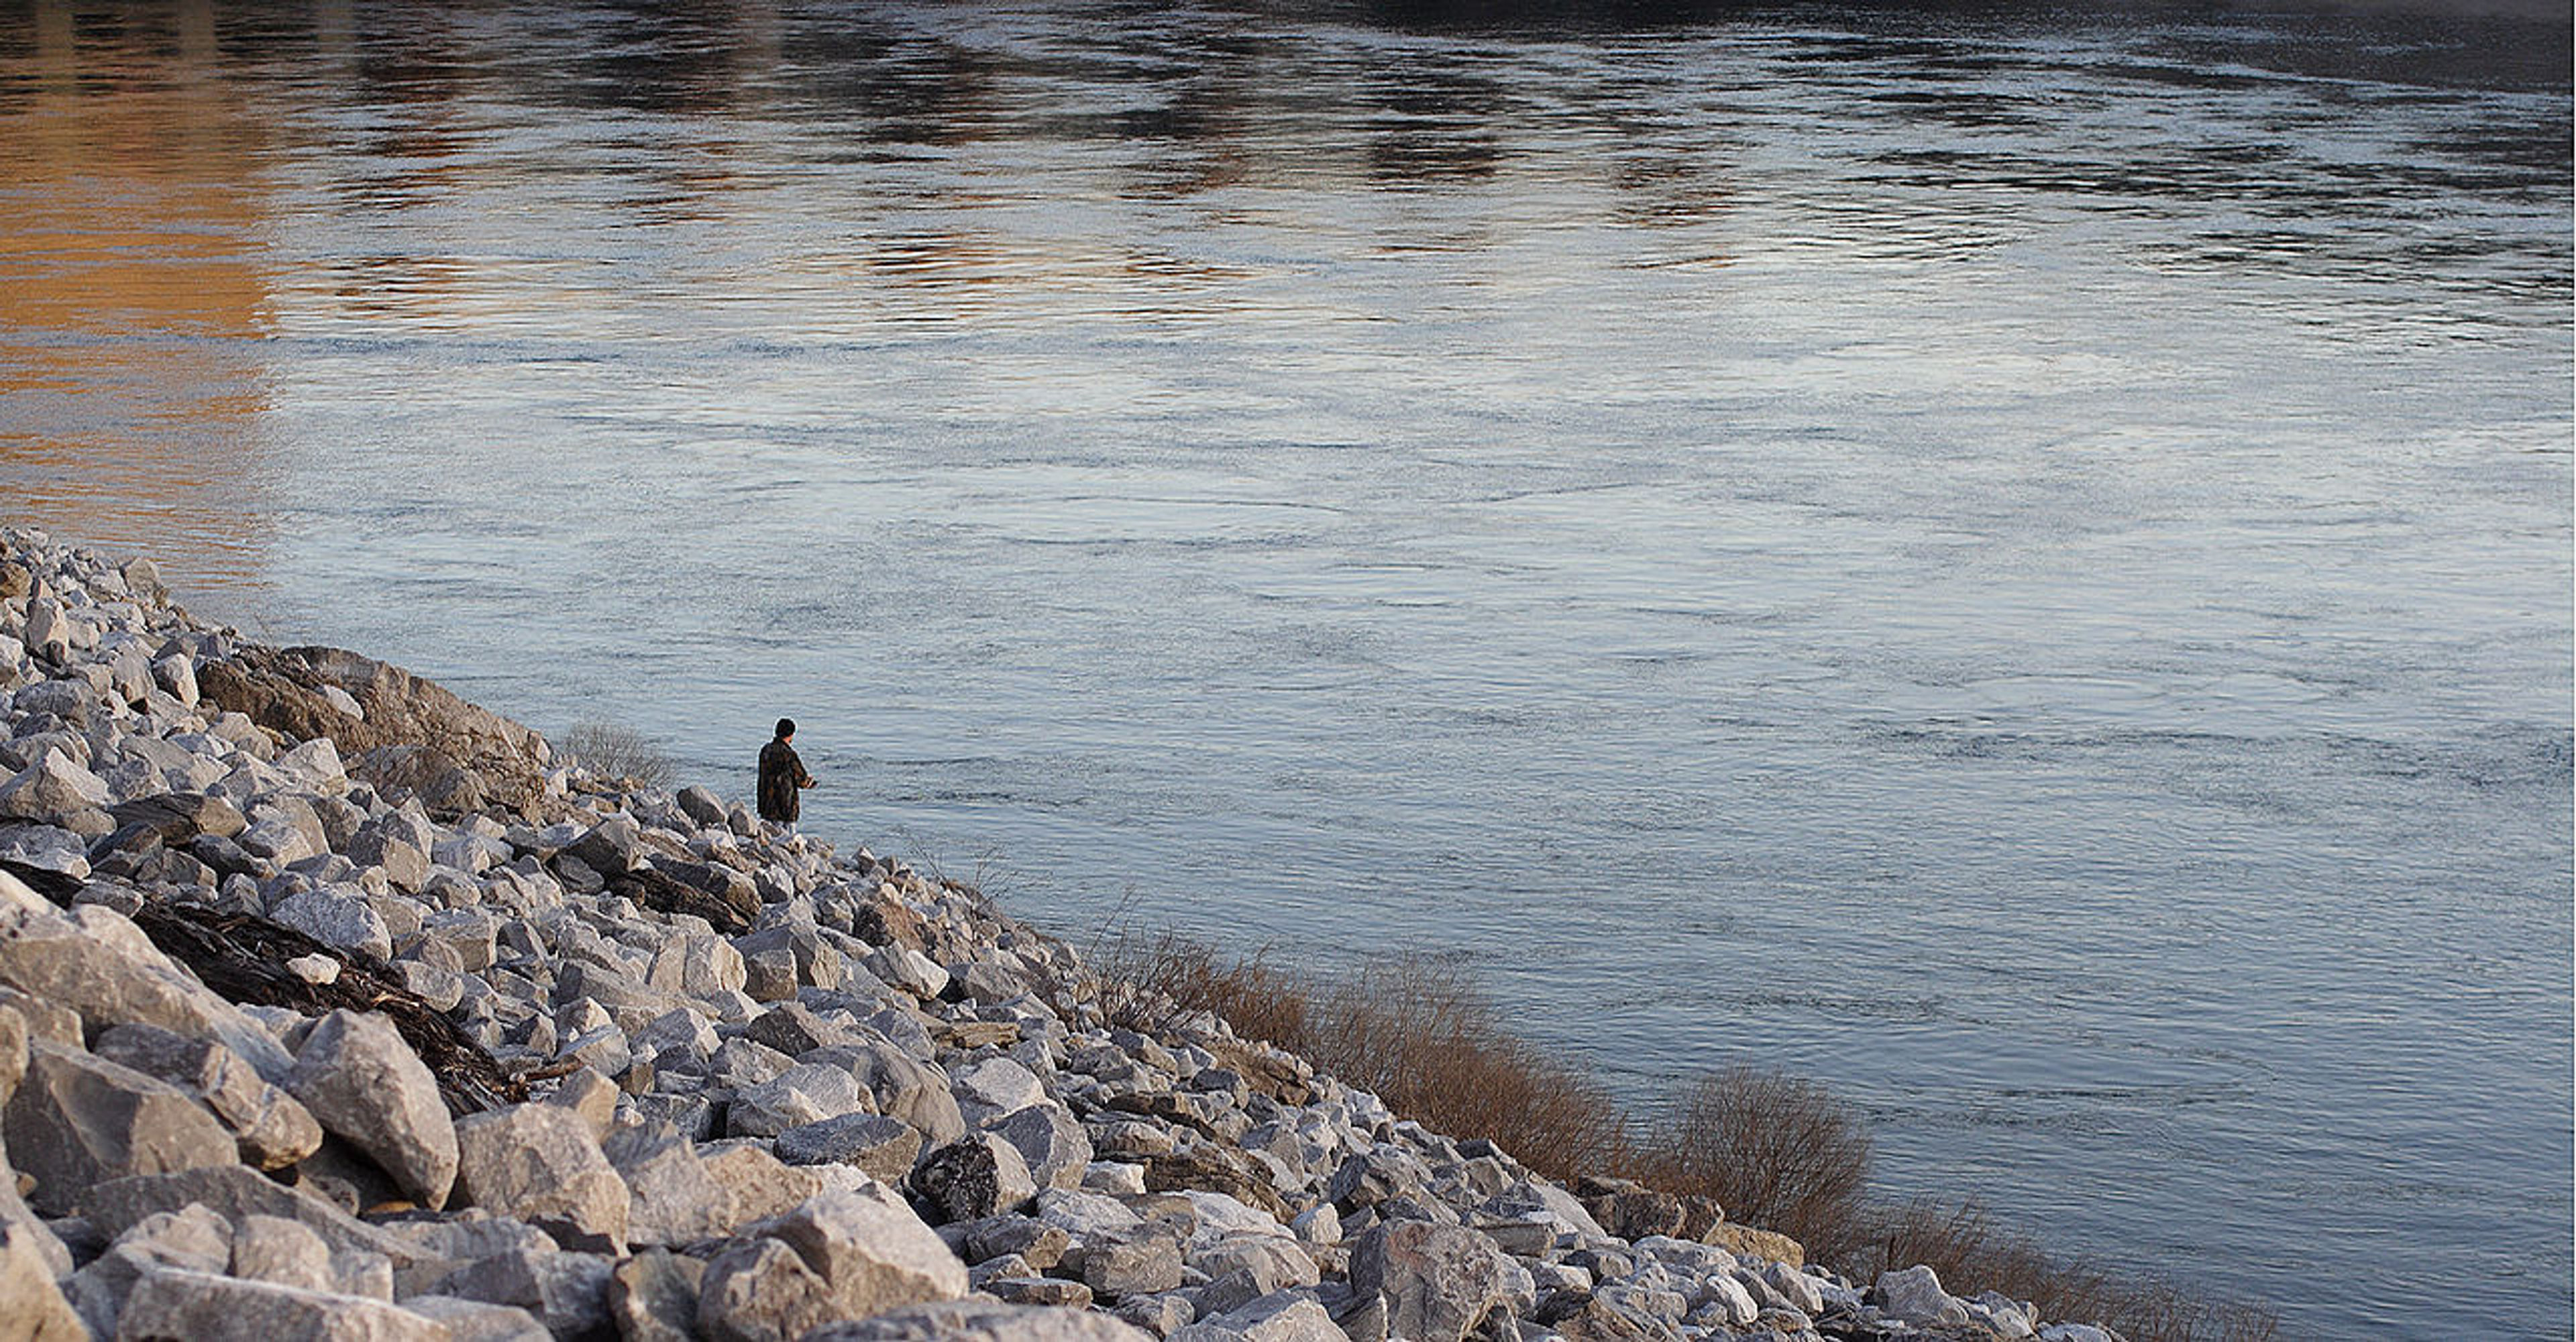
point(132, 298)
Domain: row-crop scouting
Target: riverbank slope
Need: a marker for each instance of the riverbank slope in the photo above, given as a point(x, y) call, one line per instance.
point(333, 1006)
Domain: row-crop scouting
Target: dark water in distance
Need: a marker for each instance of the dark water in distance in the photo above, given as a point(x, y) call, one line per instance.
point(2015, 561)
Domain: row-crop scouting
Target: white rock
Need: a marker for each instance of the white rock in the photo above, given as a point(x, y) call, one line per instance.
point(1915, 1295)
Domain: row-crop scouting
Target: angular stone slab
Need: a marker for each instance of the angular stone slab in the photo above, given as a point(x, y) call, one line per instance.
point(366, 1086)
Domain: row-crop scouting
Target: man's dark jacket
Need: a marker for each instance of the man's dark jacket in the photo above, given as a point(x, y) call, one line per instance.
point(781, 773)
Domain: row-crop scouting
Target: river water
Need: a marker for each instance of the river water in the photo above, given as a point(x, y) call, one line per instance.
point(2015, 562)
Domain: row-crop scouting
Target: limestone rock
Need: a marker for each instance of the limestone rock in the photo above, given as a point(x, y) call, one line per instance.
point(869, 1248)
point(78, 1120)
point(234, 1192)
point(50, 787)
point(1440, 1282)
point(1050, 1140)
point(672, 1196)
point(540, 1163)
point(982, 1321)
point(366, 1086)
point(1280, 1318)
point(176, 1303)
point(116, 976)
point(653, 1297)
point(1915, 1295)
point(282, 689)
point(270, 1127)
point(884, 1148)
point(567, 1291)
point(479, 1320)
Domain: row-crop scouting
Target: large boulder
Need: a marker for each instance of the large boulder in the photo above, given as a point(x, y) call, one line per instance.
point(50, 787)
point(100, 965)
point(540, 1163)
point(236, 1193)
point(176, 1303)
point(271, 1128)
point(77, 1120)
point(285, 689)
point(841, 1255)
point(1441, 1282)
point(368, 1088)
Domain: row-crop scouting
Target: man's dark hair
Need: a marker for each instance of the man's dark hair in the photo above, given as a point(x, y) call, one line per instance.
point(786, 727)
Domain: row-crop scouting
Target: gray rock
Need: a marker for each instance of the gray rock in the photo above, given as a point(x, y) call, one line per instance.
point(234, 1192)
point(540, 1163)
point(701, 805)
point(1033, 1242)
point(281, 1253)
point(404, 864)
point(981, 1321)
point(884, 1148)
point(270, 1128)
point(345, 921)
point(760, 1185)
point(870, 1249)
point(78, 1120)
point(198, 1305)
point(366, 1086)
point(180, 816)
point(1050, 1140)
point(192, 1238)
point(904, 1088)
point(50, 787)
point(672, 1196)
point(479, 1320)
point(566, 1291)
point(976, 1176)
point(609, 847)
point(988, 1089)
point(1140, 1264)
point(801, 1095)
point(761, 1291)
point(653, 1297)
point(100, 965)
point(1279, 1318)
point(1440, 1282)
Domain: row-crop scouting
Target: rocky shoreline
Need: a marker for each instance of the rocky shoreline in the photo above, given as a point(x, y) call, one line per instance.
point(332, 1007)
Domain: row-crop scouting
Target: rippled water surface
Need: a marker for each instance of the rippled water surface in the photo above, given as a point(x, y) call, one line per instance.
point(2014, 562)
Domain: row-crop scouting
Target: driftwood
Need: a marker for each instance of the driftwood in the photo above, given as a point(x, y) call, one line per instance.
point(242, 959)
point(659, 890)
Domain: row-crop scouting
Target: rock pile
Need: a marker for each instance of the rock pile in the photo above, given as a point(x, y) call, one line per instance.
point(332, 1007)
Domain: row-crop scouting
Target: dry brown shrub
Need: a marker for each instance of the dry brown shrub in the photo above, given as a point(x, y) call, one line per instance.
point(1432, 1045)
point(1417, 1033)
point(1777, 1151)
point(1969, 1251)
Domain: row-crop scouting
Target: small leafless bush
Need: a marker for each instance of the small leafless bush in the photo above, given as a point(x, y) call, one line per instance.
point(1969, 1251)
point(620, 753)
point(1776, 1151)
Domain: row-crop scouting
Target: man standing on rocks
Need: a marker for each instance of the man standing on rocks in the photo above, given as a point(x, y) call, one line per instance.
point(782, 774)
